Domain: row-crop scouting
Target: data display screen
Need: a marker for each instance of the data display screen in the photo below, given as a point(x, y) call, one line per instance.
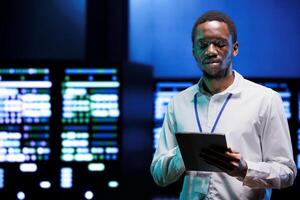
point(298, 148)
point(90, 128)
point(298, 133)
point(59, 127)
point(164, 91)
point(299, 107)
point(90, 115)
point(25, 112)
point(285, 93)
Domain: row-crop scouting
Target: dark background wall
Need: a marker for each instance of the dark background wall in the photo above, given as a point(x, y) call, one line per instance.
point(268, 31)
point(35, 30)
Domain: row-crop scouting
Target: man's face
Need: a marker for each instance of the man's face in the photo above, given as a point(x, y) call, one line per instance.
point(213, 49)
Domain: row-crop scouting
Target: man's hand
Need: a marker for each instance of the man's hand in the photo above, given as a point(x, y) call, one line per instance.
point(228, 160)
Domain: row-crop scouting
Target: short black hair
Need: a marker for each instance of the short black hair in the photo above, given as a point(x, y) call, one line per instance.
point(214, 15)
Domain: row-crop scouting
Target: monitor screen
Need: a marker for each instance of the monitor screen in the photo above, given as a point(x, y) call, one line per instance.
point(60, 129)
point(299, 106)
point(283, 89)
point(25, 112)
point(298, 148)
point(164, 91)
point(90, 123)
point(298, 133)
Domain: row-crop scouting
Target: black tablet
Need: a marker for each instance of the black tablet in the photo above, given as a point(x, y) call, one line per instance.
point(191, 144)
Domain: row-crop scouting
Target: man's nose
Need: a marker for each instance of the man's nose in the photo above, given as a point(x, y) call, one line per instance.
point(211, 50)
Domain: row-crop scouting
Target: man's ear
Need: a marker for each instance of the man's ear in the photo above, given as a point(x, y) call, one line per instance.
point(235, 49)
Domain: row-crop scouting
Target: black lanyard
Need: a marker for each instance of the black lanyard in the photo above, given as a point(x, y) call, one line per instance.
point(218, 117)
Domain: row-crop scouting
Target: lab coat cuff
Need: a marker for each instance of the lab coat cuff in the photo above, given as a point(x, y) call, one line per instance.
point(178, 162)
point(251, 172)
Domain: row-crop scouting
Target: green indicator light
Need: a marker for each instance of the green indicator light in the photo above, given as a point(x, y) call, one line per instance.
point(96, 120)
point(44, 91)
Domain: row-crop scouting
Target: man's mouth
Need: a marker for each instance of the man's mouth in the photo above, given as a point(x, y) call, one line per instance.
point(211, 62)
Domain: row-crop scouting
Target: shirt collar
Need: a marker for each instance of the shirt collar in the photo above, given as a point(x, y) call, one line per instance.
point(234, 88)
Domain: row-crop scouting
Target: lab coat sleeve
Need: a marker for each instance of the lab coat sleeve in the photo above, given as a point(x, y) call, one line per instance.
point(277, 169)
point(167, 165)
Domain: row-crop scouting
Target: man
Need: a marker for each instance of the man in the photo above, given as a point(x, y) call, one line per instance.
point(251, 116)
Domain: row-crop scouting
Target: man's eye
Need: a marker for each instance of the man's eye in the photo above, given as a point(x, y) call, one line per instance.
point(220, 44)
point(203, 45)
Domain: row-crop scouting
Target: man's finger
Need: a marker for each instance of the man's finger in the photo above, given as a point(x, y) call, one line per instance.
point(211, 159)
